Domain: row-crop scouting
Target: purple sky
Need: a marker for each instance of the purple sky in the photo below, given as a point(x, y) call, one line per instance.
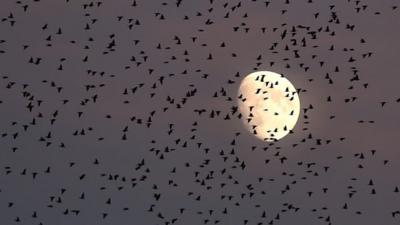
point(121, 66)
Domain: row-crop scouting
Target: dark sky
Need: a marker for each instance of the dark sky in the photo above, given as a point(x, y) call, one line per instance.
point(130, 69)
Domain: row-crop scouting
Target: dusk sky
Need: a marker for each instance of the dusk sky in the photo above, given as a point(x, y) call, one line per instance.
point(126, 112)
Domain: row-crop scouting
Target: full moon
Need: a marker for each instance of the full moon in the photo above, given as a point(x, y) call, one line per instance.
point(269, 105)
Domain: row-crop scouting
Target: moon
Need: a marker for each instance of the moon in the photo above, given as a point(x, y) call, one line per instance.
point(269, 104)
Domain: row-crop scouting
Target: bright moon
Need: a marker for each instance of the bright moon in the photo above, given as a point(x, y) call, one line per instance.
point(269, 104)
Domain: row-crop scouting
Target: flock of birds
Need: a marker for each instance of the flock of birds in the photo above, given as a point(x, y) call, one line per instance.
point(125, 112)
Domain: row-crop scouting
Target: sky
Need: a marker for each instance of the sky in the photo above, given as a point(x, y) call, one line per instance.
point(111, 125)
